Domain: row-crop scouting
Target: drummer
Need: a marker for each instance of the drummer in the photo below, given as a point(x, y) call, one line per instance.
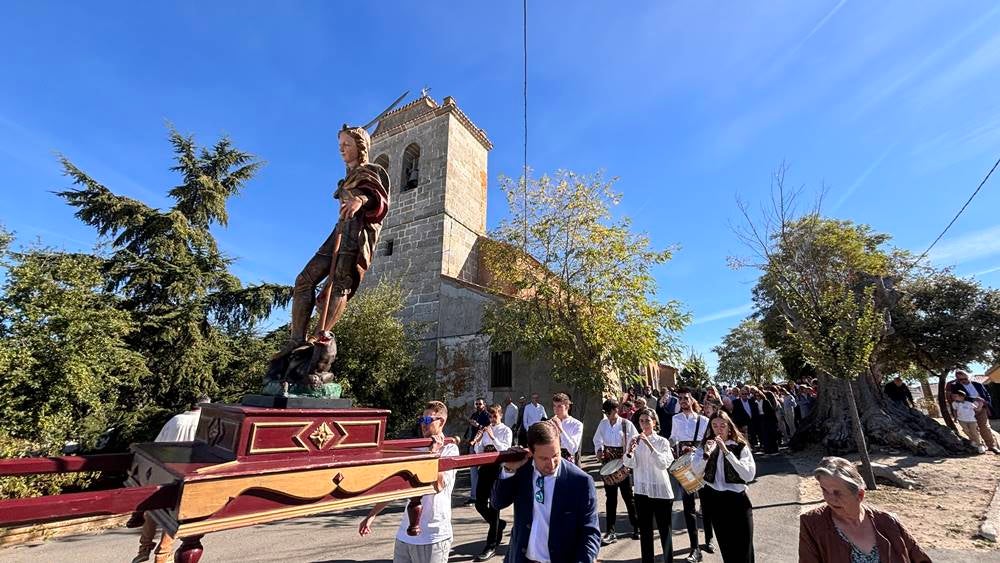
point(728, 465)
point(649, 456)
point(686, 434)
point(613, 434)
point(570, 429)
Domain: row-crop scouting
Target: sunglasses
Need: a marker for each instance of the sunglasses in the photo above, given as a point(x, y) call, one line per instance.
point(540, 493)
point(428, 419)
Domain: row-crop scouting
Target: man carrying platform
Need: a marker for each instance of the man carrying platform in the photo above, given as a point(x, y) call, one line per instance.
point(432, 541)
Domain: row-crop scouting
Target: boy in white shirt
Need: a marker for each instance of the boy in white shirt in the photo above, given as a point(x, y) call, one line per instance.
point(433, 543)
point(965, 413)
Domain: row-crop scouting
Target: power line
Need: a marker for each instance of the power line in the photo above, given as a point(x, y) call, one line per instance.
point(525, 169)
point(955, 218)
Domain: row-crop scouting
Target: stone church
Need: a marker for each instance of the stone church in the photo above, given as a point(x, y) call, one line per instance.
point(437, 162)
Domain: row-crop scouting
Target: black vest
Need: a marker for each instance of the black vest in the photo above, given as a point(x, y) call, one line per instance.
point(730, 473)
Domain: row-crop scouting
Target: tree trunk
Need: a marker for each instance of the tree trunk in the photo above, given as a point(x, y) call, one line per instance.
point(929, 401)
point(942, 402)
point(885, 424)
point(859, 440)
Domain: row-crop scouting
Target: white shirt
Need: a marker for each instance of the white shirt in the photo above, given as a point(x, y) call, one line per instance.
point(435, 516)
point(533, 413)
point(501, 442)
point(744, 466)
point(571, 435)
point(684, 425)
point(510, 415)
point(650, 468)
point(541, 512)
point(965, 411)
point(180, 428)
point(608, 435)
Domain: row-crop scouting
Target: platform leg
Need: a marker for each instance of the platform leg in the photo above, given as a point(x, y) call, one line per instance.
point(190, 551)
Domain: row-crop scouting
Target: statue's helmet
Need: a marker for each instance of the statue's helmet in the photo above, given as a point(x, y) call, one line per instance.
point(361, 138)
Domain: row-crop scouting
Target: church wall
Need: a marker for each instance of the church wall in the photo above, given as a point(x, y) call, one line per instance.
point(415, 223)
point(463, 365)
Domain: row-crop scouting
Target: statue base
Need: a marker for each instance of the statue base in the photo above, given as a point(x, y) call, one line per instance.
point(330, 390)
point(279, 402)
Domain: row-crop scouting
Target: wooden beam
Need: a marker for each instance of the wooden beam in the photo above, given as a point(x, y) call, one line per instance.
point(65, 464)
point(91, 503)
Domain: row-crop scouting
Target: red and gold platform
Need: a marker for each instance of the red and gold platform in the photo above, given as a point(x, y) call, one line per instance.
point(254, 465)
point(247, 466)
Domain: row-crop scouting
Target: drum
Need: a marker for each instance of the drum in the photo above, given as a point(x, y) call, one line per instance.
point(681, 470)
point(614, 472)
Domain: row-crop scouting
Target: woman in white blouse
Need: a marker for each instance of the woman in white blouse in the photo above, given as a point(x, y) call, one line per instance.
point(727, 463)
point(649, 455)
point(493, 438)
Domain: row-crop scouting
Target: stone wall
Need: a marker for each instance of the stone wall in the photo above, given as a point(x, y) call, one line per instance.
point(436, 231)
point(415, 223)
point(463, 364)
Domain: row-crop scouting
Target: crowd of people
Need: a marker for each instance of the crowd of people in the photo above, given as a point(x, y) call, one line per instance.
point(654, 446)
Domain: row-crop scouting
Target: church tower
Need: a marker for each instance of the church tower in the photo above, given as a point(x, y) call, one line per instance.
point(436, 159)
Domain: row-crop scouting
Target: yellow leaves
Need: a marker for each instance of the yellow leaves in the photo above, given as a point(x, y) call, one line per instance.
point(583, 281)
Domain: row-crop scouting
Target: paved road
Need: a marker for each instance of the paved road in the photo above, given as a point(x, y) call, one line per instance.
point(333, 538)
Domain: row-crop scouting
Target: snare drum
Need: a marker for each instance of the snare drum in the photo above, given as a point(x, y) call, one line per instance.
point(614, 472)
point(682, 471)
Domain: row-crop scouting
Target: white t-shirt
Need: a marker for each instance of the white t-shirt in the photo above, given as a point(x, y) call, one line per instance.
point(965, 411)
point(435, 516)
point(180, 428)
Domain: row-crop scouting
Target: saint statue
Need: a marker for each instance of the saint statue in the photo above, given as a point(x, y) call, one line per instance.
point(342, 260)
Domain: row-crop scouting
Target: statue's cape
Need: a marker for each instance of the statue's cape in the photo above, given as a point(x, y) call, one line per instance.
point(373, 180)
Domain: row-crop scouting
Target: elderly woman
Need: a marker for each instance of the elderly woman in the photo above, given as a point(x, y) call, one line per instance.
point(846, 529)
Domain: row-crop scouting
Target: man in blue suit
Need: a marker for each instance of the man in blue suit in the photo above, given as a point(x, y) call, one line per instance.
point(555, 504)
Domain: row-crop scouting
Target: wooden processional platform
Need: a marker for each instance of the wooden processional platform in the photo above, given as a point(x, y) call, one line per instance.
point(252, 465)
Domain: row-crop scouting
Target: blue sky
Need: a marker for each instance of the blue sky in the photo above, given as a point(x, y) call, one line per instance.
point(892, 106)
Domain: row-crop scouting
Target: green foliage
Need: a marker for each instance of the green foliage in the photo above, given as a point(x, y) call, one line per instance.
point(944, 322)
point(694, 372)
point(126, 338)
point(375, 360)
point(65, 365)
point(35, 485)
point(167, 270)
point(744, 356)
point(581, 282)
point(821, 275)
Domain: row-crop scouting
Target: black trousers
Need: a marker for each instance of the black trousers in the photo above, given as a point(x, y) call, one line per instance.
point(611, 503)
point(484, 487)
point(691, 519)
point(658, 509)
point(732, 517)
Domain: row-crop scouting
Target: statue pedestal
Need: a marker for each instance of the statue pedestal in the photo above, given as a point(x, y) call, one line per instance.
point(279, 402)
point(251, 465)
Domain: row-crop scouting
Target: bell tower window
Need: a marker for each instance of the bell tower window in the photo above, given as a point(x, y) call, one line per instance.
point(411, 167)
